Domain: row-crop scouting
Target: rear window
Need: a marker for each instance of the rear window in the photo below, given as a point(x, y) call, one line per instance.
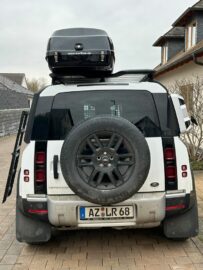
point(69, 109)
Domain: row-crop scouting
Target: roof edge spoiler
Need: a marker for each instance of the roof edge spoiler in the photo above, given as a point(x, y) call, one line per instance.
point(148, 75)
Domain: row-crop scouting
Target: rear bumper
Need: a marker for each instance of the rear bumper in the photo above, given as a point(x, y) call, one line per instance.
point(149, 211)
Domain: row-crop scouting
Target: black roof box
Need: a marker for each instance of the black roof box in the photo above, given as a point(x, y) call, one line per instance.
point(80, 51)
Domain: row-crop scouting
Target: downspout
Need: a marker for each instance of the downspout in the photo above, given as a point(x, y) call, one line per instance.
point(196, 61)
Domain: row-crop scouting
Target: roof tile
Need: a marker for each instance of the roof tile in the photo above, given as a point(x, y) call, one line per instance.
point(14, 86)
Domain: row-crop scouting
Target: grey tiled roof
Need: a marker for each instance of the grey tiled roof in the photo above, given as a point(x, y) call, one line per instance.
point(14, 86)
point(175, 32)
point(15, 77)
point(188, 13)
point(198, 4)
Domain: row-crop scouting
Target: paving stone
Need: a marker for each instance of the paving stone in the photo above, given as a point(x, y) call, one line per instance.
point(9, 259)
point(5, 267)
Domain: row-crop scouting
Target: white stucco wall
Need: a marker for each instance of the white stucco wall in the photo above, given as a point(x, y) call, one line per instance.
point(186, 72)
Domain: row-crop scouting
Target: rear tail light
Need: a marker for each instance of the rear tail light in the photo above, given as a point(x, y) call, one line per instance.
point(170, 172)
point(169, 154)
point(40, 176)
point(40, 157)
point(40, 168)
point(170, 164)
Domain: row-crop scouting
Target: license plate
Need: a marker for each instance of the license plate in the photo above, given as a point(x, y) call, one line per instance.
point(108, 212)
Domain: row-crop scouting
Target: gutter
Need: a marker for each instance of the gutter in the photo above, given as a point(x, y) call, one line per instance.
point(182, 61)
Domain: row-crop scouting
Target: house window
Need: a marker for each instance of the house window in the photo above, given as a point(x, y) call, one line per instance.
point(164, 54)
point(29, 102)
point(187, 92)
point(191, 35)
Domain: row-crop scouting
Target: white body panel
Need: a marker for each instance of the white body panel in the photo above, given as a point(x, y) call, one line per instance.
point(27, 163)
point(156, 173)
point(155, 181)
point(55, 186)
point(181, 112)
point(184, 183)
point(148, 86)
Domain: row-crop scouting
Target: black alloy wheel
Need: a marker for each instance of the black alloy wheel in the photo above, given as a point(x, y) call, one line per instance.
point(105, 160)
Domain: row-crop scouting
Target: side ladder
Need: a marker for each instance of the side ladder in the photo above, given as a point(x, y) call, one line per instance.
point(15, 155)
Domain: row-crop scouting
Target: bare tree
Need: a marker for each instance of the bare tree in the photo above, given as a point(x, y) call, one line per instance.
point(35, 85)
point(192, 91)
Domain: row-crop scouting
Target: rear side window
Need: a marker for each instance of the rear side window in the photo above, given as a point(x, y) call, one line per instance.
point(69, 109)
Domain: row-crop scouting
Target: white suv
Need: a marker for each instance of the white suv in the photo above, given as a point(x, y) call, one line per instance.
point(104, 154)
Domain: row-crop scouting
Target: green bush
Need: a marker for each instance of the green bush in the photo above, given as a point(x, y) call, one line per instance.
point(197, 165)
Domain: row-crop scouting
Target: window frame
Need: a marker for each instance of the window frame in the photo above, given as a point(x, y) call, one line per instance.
point(165, 54)
point(191, 35)
point(187, 92)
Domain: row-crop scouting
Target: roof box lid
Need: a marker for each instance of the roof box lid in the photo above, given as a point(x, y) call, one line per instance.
point(78, 32)
point(79, 51)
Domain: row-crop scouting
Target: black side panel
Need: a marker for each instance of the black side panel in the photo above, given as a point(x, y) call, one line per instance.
point(40, 130)
point(30, 122)
point(161, 104)
point(167, 116)
point(172, 118)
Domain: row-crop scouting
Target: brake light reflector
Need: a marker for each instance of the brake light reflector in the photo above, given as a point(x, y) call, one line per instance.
point(175, 207)
point(40, 157)
point(170, 172)
point(40, 176)
point(37, 211)
point(169, 154)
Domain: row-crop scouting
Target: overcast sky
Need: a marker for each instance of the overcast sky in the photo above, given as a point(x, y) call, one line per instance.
point(134, 25)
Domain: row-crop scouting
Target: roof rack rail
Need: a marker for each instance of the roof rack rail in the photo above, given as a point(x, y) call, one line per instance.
point(140, 75)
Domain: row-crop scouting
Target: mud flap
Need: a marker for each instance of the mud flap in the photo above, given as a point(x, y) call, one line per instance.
point(30, 230)
point(182, 226)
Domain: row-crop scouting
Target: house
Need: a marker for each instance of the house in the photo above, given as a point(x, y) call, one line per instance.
point(179, 47)
point(18, 78)
point(14, 98)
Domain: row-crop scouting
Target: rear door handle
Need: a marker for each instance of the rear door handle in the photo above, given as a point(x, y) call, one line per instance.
point(56, 174)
